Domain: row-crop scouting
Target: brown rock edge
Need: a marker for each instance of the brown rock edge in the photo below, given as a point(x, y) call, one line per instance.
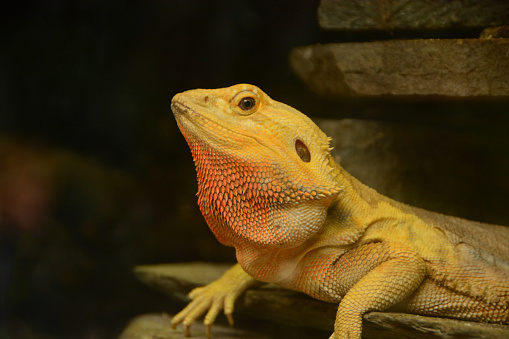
point(293, 308)
point(444, 68)
point(495, 32)
point(411, 14)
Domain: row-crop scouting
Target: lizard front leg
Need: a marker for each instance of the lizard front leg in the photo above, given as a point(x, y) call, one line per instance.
point(219, 294)
point(371, 277)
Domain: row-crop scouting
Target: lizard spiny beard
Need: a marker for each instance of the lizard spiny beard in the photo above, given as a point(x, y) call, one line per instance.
point(252, 201)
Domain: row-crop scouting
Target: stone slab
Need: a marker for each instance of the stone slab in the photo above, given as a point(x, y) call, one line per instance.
point(495, 32)
point(292, 308)
point(158, 326)
point(432, 67)
point(411, 14)
point(446, 170)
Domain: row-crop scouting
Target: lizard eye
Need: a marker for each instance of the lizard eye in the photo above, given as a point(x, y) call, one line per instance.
point(302, 151)
point(247, 104)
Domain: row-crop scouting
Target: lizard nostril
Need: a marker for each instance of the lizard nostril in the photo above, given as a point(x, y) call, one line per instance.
point(206, 99)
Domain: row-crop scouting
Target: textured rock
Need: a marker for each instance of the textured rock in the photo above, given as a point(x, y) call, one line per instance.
point(442, 170)
point(149, 326)
point(495, 32)
point(445, 68)
point(400, 325)
point(176, 280)
point(288, 307)
point(158, 326)
point(411, 14)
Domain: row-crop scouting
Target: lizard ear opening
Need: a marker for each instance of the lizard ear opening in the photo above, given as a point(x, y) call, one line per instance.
point(302, 151)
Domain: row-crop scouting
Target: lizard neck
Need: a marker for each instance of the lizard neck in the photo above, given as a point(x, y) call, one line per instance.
point(348, 216)
point(353, 210)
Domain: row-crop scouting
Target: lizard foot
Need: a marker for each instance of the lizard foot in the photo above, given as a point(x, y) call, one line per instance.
point(212, 298)
point(205, 299)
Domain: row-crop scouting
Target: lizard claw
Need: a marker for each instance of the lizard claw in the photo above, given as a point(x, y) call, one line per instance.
point(229, 316)
point(187, 331)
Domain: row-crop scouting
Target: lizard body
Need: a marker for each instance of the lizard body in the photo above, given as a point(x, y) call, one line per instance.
point(268, 186)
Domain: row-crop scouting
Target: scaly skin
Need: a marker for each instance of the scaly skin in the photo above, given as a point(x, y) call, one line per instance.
point(268, 186)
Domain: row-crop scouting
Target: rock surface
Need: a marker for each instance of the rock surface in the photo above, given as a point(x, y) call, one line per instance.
point(287, 307)
point(458, 166)
point(158, 326)
point(443, 68)
point(411, 14)
point(495, 32)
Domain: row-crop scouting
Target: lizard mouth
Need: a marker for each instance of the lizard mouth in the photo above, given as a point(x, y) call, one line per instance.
point(185, 114)
point(191, 121)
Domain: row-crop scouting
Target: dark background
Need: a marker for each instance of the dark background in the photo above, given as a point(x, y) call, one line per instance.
point(95, 177)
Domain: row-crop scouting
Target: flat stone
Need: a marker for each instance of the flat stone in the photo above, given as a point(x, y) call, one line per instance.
point(289, 307)
point(442, 68)
point(177, 280)
point(399, 325)
point(495, 32)
point(158, 326)
point(411, 14)
point(451, 171)
point(148, 326)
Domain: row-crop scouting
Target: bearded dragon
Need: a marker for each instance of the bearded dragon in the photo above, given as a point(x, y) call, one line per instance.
point(269, 186)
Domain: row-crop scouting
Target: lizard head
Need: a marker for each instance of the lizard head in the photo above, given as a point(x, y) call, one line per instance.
point(265, 173)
